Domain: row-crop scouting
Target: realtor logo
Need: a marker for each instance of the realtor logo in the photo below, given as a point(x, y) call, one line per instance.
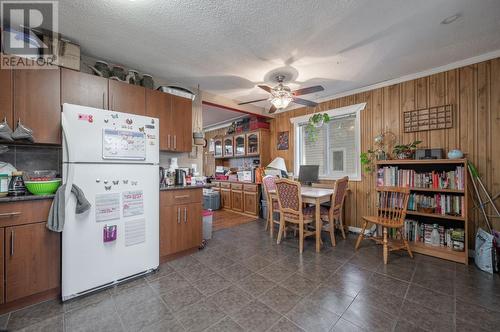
point(28, 29)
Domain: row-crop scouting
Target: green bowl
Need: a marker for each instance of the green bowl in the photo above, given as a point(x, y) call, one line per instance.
point(43, 187)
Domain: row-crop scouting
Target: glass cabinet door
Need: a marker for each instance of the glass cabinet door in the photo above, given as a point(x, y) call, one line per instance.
point(239, 145)
point(253, 141)
point(218, 148)
point(228, 147)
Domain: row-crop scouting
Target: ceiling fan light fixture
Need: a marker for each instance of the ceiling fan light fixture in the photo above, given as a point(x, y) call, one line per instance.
point(281, 98)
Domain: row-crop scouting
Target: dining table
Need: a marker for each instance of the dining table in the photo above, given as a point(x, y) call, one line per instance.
point(311, 195)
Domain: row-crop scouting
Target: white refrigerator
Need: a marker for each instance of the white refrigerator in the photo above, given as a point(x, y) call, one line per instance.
point(113, 158)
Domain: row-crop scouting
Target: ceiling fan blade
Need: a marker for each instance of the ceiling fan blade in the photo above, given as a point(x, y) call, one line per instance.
point(305, 91)
point(305, 102)
point(252, 101)
point(272, 109)
point(265, 87)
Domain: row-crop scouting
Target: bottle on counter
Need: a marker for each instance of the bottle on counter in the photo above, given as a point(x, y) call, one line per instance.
point(16, 185)
point(4, 184)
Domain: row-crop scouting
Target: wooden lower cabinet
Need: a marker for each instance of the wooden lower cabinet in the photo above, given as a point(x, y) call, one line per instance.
point(225, 197)
point(180, 221)
point(2, 255)
point(32, 260)
point(238, 196)
point(237, 200)
point(250, 202)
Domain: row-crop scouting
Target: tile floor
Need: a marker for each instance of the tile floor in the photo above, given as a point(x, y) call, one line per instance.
point(244, 281)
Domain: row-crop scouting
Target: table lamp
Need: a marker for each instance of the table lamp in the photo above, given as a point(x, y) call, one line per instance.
point(279, 164)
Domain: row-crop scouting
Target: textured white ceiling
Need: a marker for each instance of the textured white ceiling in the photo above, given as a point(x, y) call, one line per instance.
point(213, 115)
point(229, 46)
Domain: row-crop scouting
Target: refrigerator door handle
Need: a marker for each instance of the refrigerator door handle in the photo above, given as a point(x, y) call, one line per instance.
point(70, 170)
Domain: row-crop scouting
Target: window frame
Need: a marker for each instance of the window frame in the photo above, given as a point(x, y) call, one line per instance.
point(333, 113)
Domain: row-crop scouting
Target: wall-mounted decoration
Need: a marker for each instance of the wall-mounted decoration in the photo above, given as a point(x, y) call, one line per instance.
point(283, 140)
point(432, 118)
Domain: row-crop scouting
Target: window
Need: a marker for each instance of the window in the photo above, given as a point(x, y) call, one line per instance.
point(338, 146)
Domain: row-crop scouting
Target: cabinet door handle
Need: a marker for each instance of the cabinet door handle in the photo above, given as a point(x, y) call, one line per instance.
point(9, 214)
point(103, 94)
point(181, 196)
point(168, 141)
point(112, 103)
point(178, 215)
point(12, 242)
point(175, 142)
point(185, 215)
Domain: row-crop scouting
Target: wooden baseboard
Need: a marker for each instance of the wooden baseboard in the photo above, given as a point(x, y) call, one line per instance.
point(242, 213)
point(50, 294)
point(171, 257)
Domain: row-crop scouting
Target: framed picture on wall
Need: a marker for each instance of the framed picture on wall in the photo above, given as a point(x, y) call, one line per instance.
point(283, 140)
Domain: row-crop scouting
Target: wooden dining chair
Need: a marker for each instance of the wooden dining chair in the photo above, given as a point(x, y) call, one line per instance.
point(269, 183)
point(391, 213)
point(333, 214)
point(291, 210)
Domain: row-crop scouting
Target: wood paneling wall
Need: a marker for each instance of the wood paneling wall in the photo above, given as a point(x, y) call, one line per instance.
point(474, 92)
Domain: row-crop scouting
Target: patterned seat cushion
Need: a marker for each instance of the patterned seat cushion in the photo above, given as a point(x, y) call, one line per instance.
point(324, 211)
point(308, 213)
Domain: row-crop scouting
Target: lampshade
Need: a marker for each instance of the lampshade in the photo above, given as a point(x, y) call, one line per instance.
point(278, 163)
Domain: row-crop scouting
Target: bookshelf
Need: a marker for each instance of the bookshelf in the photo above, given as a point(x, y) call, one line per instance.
point(405, 173)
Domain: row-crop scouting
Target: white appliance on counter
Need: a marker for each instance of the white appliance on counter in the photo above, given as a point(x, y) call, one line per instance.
point(113, 157)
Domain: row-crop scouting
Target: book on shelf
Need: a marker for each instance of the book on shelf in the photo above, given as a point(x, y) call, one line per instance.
point(394, 176)
point(417, 231)
point(439, 204)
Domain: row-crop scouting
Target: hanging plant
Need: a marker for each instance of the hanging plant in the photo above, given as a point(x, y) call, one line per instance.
point(314, 125)
point(367, 160)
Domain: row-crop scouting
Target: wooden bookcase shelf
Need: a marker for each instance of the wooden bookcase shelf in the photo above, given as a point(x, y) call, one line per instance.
point(462, 221)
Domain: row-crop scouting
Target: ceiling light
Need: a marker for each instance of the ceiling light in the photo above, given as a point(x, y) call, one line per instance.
point(281, 97)
point(451, 19)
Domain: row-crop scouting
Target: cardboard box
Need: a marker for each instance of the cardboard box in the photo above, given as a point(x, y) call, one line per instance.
point(67, 53)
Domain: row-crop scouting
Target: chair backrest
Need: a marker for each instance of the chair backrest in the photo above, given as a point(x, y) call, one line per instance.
point(289, 198)
point(269, 183)
point(393, 203)
point(339, 192)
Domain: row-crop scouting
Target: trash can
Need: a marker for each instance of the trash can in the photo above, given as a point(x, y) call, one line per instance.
point(207, 224)
point(211, 200)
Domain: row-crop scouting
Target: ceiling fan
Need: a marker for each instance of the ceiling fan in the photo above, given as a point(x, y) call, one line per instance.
point(281, 95)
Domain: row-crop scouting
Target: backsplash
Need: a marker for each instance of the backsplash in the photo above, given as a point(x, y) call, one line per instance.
point(30, 158)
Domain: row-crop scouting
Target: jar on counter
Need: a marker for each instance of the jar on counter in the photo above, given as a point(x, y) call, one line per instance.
point(4, 184)
point(16, 185)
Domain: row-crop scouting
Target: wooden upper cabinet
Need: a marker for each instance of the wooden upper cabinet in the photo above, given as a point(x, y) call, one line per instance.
point(182, 117)
point(32, 260)
point(159, 105)
point(253, 143)
point(127, 98)
point(83, 89)
point(37, 103)
point(6, 96)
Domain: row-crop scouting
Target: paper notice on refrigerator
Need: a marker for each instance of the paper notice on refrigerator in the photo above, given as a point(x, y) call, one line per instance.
point(135, 232)
point(133, 203)
point(107, 206)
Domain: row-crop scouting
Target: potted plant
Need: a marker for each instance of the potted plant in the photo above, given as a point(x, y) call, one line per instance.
point(314, 124)
point(405, 151)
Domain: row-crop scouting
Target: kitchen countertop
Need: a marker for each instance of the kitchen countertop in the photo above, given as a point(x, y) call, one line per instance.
point(165, 188)
point(8, 199)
